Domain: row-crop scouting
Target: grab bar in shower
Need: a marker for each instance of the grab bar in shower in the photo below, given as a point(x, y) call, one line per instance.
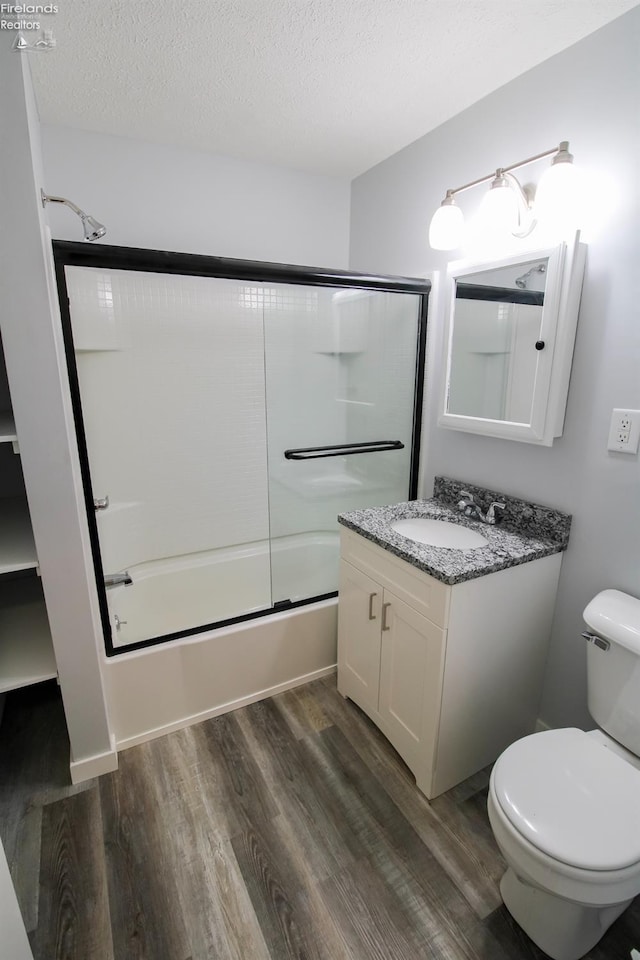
point(342, 449)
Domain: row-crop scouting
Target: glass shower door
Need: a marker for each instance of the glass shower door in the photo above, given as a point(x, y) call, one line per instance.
point(170, 375)
point(340, 386)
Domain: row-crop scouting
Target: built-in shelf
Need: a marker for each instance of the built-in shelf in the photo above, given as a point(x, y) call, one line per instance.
point(26, 651)
point(7, 428)
point(17, 547)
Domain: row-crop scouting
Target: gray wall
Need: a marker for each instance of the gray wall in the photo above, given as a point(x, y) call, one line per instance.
point(589, 95)
point(172, 198)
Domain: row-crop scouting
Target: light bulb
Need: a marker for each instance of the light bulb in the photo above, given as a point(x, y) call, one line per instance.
point(557, 199)
point(445, 231)
point(498, 211)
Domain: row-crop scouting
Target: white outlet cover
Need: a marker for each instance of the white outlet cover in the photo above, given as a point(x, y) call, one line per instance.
point(624, 421)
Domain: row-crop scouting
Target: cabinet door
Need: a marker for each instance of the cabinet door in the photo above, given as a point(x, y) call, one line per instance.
point(412, 662)
point(359, 637)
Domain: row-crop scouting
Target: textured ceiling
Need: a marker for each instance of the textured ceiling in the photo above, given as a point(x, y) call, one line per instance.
point(327, 86)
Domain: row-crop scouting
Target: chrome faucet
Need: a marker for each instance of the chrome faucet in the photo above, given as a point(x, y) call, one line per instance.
point(470, 508)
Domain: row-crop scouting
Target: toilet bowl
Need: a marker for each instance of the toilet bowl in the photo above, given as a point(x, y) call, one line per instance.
point(565, 812)
point(564, 805)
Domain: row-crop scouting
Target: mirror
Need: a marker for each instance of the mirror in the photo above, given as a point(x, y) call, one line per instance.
point(497, 319)
point(510, 331)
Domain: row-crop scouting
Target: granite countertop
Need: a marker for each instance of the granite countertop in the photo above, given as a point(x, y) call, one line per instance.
point(527, 532)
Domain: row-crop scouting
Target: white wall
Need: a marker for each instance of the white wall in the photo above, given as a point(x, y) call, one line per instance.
point(35, 366)
point(588, 95)
point(171, 198)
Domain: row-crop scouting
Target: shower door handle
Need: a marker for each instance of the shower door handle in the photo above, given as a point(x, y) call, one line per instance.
point(342, 449)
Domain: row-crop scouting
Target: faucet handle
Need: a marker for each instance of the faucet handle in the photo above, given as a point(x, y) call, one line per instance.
point(465, 501)
point(496, 505)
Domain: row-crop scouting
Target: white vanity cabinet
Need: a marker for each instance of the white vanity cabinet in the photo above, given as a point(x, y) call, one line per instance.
point(450, 674)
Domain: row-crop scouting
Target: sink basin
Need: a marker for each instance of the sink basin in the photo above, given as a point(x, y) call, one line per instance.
point(439, 533)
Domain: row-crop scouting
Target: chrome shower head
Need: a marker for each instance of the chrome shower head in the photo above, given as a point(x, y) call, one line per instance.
point(92, 228)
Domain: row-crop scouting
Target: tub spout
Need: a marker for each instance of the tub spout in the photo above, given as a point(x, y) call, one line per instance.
point(117, 579)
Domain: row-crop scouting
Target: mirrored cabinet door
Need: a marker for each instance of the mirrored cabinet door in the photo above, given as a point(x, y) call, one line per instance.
point(510, 332)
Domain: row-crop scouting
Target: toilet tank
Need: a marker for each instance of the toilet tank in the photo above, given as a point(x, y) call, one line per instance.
point(613, 674)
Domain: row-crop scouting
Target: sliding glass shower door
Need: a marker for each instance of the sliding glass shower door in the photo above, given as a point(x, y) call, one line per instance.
point(340, 392)
point(223, 424)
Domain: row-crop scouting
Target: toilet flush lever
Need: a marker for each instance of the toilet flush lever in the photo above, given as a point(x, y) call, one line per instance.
point(595, 639)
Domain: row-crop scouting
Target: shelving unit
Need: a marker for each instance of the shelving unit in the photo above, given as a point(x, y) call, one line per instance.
point(26, 650)
point(26, 653)
point(17, 548)
point(7, 427)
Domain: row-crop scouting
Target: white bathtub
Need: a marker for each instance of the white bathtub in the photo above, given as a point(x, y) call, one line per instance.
point(181, 593)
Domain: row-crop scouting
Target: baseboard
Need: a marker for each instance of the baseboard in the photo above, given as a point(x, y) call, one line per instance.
point(541, 726)
point(96, 765)
point(224, 708)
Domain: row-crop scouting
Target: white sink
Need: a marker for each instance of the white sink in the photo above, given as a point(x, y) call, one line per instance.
point(439, 533)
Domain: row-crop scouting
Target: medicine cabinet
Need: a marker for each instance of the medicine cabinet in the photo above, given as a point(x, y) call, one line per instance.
point(509, 338)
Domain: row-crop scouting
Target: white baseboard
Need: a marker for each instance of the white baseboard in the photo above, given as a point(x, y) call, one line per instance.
point(189, 721)
point(541, 726)
point(95, 765)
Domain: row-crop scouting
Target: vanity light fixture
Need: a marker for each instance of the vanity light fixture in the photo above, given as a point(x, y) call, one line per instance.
point(507, 206)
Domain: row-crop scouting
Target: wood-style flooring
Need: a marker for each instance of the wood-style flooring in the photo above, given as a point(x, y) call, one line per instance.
point(287, 829)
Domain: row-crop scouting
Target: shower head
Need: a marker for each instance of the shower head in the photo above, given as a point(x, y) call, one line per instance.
point(521, 282)
point(93, 229)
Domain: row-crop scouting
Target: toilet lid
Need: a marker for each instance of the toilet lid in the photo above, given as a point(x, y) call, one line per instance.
point(572, 798)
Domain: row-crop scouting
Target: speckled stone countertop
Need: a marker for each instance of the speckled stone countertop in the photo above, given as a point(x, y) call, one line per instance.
point(527, 531)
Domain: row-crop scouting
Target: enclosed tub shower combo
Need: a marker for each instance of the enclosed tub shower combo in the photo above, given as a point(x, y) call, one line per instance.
point(226, 412)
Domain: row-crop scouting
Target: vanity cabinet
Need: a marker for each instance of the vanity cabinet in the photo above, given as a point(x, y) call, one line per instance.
point(450, 674)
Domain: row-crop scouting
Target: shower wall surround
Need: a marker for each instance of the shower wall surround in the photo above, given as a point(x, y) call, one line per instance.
point(197, 399)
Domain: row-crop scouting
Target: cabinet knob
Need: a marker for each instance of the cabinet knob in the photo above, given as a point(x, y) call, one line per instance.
point(372, 597)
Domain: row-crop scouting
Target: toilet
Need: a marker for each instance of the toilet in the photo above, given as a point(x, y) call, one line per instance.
point(564, 805)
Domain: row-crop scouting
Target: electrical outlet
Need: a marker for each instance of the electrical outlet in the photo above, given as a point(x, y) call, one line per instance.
point(624, 431)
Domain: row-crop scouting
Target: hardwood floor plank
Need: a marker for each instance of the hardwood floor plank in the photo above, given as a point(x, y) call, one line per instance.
point(73, 915)
point(146, 919)
point(295, 923)
point(244, 796)
point(211, 891)
point(284, 766)
point(435, 904)
point(25, 868)
point(303, 711)
point(371, 918)
point(468, 824)
point(479, 887)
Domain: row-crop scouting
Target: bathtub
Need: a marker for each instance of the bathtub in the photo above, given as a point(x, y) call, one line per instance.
point(163, 687)
point(178, 594)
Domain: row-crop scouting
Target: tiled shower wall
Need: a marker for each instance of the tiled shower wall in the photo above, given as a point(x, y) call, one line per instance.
point(174, 372)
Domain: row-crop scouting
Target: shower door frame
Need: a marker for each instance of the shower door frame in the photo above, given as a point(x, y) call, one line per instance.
point(137, 259)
